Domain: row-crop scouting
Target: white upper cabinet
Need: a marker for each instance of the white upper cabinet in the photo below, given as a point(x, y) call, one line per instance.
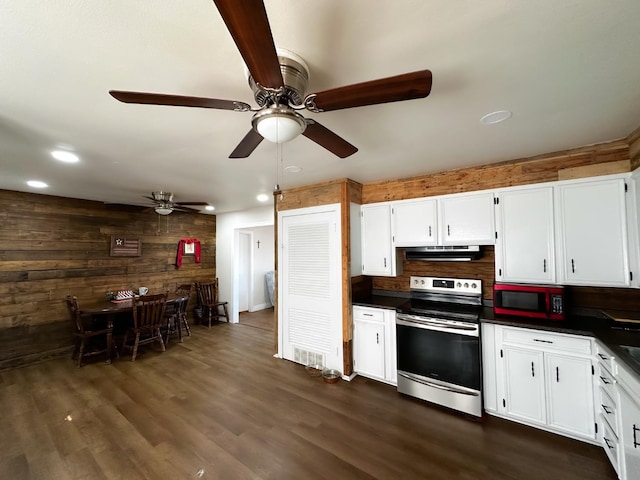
point(414, 223)
point(592, 233)
point(525, 240)
point(378, 253)
point(466, 219)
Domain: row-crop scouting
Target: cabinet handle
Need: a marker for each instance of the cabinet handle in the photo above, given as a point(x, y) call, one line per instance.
point(533, 372)
point(448, 230)
point(544, 265)
point(429, 230)
point(603, 357)
point(573, 266)
point(606, 440)
point(385, 262)
point(377, 339)
point(604, 380)
point(367, 314)
point(557, 374)
point(635, 442)
point(542, 341)
point(607, 410)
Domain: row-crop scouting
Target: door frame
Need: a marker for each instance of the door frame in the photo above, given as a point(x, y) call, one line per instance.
point(250, 264)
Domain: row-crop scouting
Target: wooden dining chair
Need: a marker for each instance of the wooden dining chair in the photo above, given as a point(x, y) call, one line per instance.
point(209, 302)
point(87, 334)
point(176, 313)
point(148, 319)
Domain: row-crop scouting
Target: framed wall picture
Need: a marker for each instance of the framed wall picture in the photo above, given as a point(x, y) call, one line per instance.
point(189, 248)
point(125, 247)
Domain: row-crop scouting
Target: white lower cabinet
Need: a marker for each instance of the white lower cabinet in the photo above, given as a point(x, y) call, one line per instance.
point(628, 389)
point(544, 379)
point(374, 343)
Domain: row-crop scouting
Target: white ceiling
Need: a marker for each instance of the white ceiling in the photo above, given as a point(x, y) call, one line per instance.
point(568, 70)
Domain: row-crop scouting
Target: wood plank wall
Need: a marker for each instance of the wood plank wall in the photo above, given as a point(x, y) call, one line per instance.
point(53, 246)
point(634, 149)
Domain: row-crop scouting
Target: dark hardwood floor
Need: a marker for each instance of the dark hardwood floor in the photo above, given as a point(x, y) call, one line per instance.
point(219, 406)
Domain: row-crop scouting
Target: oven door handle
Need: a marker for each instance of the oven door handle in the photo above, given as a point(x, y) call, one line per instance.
point(421, 323)
point(471, 393)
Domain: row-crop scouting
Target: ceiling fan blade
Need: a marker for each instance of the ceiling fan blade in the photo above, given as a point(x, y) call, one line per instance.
point(185, 209)
point(247, 145)
point(327, 139)
point(407, 86)
point(249, 27)
point(191, 203)
point(178, 100)
point(150, 198)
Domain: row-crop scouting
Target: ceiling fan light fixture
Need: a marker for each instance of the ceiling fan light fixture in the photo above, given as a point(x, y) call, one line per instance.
point(279, 124)
point(163, 210)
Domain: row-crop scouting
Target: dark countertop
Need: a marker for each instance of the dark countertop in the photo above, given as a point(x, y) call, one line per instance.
point(599, 327)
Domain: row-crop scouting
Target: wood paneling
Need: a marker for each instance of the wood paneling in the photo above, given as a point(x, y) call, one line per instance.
point(634, 148)
point(543, 168)
point(311, 196)
point(51, 247)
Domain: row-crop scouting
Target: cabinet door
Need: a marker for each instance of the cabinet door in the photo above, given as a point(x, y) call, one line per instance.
point(414, 223)
point(630, 433)
point(368, 349)
point(570, 394)
point(377, 251)
point(593, 233)
point(525, 243)
point(467, 220)
point(524, 385)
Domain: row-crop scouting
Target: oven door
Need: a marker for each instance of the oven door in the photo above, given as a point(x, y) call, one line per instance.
point(439, 362)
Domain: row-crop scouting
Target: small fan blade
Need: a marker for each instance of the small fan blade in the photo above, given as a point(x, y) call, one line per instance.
point(249, 27)
point(178, 100)
point(327, 139)
point(191, 203)
point(180, 208)
point(407, 86)
point(247, 145)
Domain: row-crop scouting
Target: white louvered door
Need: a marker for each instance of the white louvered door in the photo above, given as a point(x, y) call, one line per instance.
point(309, 293)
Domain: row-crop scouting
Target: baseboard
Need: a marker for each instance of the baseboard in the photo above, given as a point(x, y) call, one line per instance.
point(261, 306)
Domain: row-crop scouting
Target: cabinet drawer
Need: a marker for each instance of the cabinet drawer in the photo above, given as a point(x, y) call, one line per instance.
point(547, 341)
point(609, 443)
point(609, 411)
point(370, 314)
point(606, 380)
point(604, 356)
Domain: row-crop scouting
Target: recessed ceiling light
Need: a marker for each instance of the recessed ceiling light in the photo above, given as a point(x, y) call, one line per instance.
point(37, 184)
point(210, 207)
point(263, 197)
point(495, 117)
point(293, 169)
point(65, 156)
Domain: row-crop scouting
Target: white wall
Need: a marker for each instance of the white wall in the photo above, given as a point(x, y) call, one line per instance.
point(226, 226)
point(263, 262)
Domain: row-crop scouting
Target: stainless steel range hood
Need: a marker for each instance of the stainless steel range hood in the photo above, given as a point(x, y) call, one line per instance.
point(444, 253)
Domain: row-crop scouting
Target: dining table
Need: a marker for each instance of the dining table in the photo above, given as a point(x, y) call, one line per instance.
point(115, 311)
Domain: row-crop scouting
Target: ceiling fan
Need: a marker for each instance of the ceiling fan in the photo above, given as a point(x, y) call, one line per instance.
point(279, 81)
point(164, 204)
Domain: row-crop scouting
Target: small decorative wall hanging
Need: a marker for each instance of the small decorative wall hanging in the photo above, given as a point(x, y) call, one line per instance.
point(125, 247)
point(188, 246)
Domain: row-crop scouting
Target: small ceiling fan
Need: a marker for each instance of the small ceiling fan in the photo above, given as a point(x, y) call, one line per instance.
point(164, 204)
point(279, 81)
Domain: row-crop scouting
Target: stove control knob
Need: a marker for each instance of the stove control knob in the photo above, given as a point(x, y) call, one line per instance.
point(422, 282)
point(474, 286)
point(466, 285)
point(458, 284)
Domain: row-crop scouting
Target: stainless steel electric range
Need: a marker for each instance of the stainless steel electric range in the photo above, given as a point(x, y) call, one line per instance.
point(438, 343)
